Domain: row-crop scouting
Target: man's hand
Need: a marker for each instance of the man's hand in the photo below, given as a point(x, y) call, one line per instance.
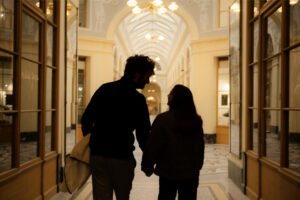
point(148, 171)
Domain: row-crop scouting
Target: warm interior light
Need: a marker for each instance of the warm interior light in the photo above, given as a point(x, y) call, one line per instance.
point(2, 15)
point(153, 6)
point(131, 3)
point(173, 6)
point(255, 10)
point(150, 98)
point(157, 3)
point(136, 10)
point(152, 36)
point(235, 7)
point(148, 36)
point(48, 11)
point(2, 10)
point(293, 2)
point(162, 10)
point(160, 37)
point(279, 9)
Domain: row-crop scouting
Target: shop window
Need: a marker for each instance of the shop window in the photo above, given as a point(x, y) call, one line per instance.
point(28, 69)
point(274, 82)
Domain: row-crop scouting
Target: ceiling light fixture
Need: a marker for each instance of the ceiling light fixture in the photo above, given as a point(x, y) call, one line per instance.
point(152, 36)
point(153, 6)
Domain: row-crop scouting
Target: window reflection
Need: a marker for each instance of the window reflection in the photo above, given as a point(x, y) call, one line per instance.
point(272, 87)
point(272, 83)
point(256, 7)
point(294, 116)
point(30, 37)
point(273, 129)
point(6, 104)
point(255, 41)
point(6, 24)
point(50, 46)
point(294, 140)
point(50, 80)
point(294, 23)
point(37, 3)
point(48, 132)
point(255, 86)
point(71, 73)
point(274, 34)
point(235, 129)
point(6, 133)
point(235, 77)
point(294, 79)
point(29, 85)
point(6, 81)
point(254, 130)
point(29, 136)
point(81, 87)
point(50, 8)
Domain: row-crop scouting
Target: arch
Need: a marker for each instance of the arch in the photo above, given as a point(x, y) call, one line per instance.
point(184, 15)
point(152, 93)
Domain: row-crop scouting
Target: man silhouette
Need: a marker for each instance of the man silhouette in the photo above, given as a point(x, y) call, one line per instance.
point(115, 111)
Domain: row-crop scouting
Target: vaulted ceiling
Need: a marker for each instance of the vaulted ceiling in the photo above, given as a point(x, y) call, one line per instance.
point(154, 35)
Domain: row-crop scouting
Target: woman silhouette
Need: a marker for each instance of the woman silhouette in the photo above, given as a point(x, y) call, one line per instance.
point(175, 147)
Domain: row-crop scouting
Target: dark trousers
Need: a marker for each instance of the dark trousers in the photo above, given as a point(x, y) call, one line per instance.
point(111, 175)
point(187, 189)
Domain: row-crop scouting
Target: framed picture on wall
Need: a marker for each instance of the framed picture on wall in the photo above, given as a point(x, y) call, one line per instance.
point(223, 99)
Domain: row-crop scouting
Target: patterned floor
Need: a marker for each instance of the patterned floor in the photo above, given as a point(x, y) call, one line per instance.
point(214, 183)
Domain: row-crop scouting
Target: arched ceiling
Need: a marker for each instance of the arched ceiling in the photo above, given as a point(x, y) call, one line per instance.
point(167, 31)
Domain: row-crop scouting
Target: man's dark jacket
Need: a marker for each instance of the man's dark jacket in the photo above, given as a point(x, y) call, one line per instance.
point(114, 112)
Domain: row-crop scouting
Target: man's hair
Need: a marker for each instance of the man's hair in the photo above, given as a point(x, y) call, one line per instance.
point(138, 64)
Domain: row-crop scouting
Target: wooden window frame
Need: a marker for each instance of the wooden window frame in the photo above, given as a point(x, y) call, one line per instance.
point(267, 8)
point(38, 14)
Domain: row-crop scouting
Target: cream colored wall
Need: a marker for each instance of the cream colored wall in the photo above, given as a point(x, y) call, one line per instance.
point(203, 77)
point(100, 66)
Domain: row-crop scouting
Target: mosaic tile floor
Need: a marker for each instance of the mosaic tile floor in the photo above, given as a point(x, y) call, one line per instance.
point(214, 183)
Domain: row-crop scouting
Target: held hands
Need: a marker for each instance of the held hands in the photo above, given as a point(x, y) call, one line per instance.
point(148, 171)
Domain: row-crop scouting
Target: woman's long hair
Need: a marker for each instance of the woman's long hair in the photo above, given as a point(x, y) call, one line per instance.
point(182, 104)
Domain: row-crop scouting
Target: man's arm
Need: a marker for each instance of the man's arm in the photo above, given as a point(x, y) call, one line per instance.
point(143, 124)
point(154, 145)
point(88, 117)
